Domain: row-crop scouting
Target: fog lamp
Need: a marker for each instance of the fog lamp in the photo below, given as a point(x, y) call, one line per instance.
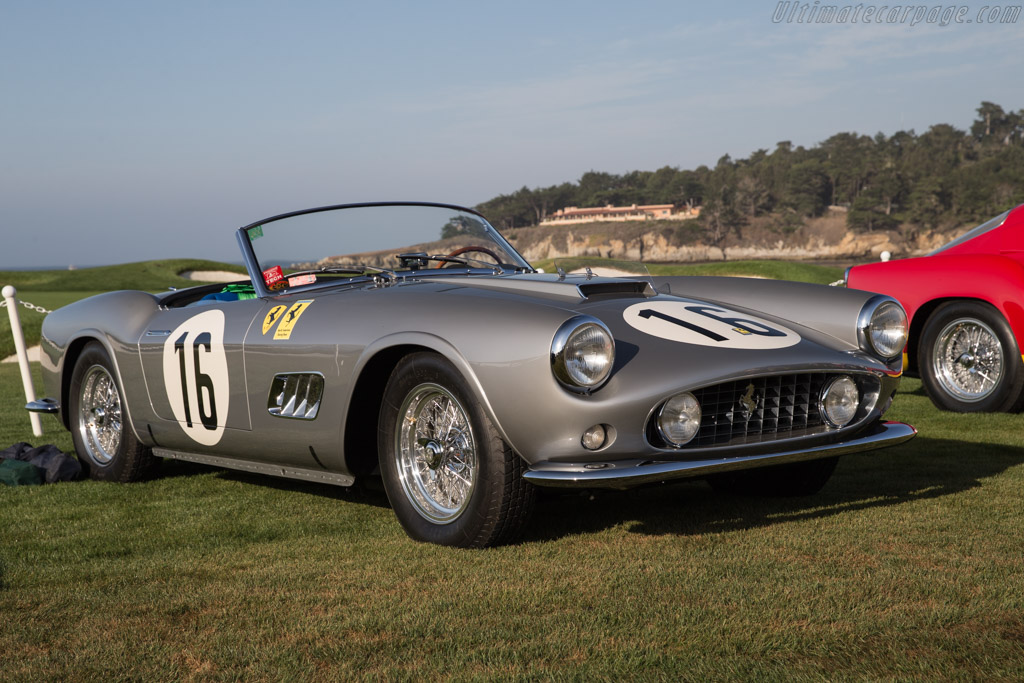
point(594, 438)
point(679, 419)
point(839, 401)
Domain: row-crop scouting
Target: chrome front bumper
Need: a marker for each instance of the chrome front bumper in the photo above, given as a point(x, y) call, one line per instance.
point(627, 473)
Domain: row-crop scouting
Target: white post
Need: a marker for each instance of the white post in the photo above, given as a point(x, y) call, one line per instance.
point(9, 293)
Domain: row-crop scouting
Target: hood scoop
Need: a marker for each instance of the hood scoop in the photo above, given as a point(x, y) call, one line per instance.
point(573, 288)
point(616, 289)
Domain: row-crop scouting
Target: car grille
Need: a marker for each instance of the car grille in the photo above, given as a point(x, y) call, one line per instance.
point(762, 409)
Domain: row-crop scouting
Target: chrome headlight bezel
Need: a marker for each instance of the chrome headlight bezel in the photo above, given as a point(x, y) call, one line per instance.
point(869, 330)
point(562, 366)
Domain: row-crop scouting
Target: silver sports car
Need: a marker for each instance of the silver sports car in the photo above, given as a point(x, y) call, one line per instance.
point(411, 341)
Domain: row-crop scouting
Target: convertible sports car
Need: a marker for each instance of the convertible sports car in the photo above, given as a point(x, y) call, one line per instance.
point(431, 353)
point(965, 301)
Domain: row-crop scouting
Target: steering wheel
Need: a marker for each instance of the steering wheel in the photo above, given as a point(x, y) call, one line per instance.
point(471, 248)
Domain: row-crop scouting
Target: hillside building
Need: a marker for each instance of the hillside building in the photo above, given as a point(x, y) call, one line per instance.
point(645, 212)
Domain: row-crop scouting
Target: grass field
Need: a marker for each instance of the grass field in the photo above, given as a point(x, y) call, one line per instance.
point(908, 565)
point(52, 289)
point(147, 275)
point(776, 270)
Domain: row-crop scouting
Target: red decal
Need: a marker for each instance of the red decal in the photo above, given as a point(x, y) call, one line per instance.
point(272, 276)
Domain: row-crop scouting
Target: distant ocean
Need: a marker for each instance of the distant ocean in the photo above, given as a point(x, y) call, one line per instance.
point(63, 267)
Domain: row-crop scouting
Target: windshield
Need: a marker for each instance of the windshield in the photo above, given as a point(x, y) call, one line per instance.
point(973, 232)
point(319, 245)
point(602, 267)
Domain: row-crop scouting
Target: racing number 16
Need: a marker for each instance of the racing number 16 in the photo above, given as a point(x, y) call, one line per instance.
point(202, 380)
point(741, 325)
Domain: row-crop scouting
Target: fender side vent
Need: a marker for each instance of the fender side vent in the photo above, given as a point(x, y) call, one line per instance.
point(296, 395)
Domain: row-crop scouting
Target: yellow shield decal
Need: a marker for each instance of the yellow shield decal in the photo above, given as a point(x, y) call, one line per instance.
point(284, 330)
point(272, 317)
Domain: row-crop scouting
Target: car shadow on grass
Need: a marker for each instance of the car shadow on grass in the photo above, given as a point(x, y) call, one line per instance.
point(366, 491)
point(920, 470)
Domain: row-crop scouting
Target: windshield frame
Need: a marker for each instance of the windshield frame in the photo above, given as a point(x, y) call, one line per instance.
point(252, 264)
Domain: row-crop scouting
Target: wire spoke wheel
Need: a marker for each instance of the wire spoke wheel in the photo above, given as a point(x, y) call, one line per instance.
point(968, 359)
point(99, 415)
point(450, 477)
point(99, 418)
point(435, 453)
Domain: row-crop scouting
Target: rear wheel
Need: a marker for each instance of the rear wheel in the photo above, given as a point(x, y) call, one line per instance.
point(793, 479)
point(106, 447)
point(969, 360)
point(450, 477)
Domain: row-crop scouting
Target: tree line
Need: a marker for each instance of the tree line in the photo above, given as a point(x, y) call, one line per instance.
point(939, 178)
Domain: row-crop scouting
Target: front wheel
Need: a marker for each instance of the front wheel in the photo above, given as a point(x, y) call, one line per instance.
point(969, 360)
point(106, 447)
point(449, 476)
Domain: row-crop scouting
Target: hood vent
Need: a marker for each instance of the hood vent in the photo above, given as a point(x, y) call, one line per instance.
point(572, 288)
point(616, 289)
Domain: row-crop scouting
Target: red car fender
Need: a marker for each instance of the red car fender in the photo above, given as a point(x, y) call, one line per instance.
point(922, 284)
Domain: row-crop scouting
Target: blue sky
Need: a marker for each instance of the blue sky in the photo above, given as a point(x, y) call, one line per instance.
point(138, 130)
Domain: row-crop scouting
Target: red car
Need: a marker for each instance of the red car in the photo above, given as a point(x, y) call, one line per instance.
point(965, 301)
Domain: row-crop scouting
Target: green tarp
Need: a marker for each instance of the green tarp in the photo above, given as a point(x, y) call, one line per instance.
point(18, 473)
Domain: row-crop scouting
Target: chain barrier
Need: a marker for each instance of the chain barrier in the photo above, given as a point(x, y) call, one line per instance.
point(31, 307)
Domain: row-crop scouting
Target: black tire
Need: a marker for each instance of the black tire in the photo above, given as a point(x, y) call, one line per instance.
point(104, 441)
point(779, 481)
point(969, 360)
point(449, 476)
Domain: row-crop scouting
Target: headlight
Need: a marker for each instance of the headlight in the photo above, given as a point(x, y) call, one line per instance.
point(582, 353)
point(839, 401)
point(882, 327)
point(679, 419)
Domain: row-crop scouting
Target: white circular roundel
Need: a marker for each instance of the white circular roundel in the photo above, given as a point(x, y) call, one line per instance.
point(708, 325)
point(196, 376)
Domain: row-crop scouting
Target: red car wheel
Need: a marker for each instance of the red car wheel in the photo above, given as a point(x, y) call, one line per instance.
point(969, 360)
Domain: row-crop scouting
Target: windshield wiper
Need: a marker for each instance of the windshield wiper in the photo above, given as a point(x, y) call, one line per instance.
point(411, 259)
point(379, 274)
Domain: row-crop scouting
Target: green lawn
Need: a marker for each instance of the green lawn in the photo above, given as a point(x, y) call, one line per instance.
point(52, 289)
point(777, 270)
point(908, 565)
point(147, 275)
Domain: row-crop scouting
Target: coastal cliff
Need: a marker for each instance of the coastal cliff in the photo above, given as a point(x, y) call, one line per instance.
point(653, 242)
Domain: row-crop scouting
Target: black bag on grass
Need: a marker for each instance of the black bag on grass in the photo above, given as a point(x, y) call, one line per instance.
point(58, 466)
point(19, 473)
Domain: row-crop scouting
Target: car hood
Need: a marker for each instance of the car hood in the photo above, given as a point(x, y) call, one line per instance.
point(610, 300)
point(568, 291)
